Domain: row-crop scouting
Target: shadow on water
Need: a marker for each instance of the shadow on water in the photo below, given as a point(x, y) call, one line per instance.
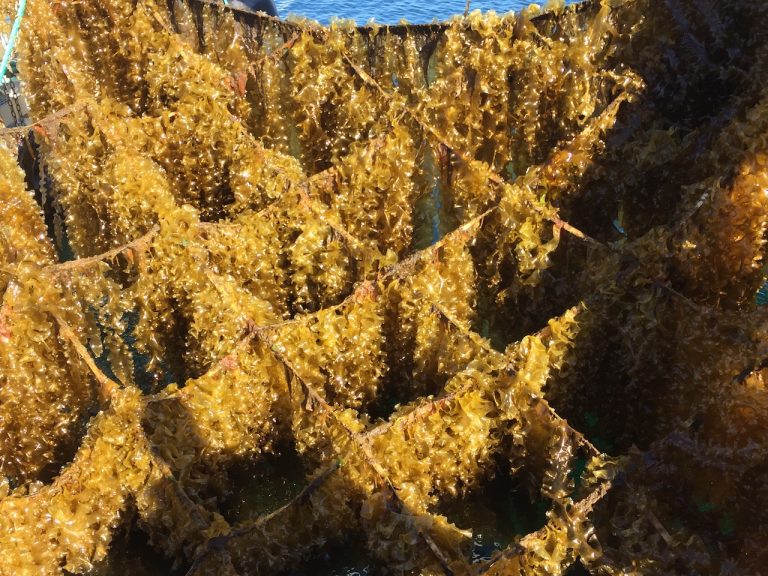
point(497, 512)
point(130, 554)
point(348, 559)
point(262, 487)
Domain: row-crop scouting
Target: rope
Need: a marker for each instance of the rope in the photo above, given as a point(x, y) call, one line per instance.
point(12, 38)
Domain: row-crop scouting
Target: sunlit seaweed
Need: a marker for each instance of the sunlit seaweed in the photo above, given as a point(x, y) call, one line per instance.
point(420, 256)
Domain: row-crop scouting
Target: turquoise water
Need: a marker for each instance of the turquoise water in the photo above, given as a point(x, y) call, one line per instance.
point(392, 11)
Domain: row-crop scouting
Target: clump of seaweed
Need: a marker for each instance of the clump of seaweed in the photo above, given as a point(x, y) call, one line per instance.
point(419, 255)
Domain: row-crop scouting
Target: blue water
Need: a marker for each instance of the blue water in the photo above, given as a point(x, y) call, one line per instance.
point(391, 11)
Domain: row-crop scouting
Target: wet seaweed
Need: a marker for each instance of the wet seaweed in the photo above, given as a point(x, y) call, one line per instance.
point(586, 314)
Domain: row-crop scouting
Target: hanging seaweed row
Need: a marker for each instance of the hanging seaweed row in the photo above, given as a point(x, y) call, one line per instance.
point(247, 202)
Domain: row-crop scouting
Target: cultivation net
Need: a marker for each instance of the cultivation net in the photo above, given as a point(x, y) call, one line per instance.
point(420, 257)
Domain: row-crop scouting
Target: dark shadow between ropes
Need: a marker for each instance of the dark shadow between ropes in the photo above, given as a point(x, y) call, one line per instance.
point(498, 511)
point(131, 554)
point(259, 487)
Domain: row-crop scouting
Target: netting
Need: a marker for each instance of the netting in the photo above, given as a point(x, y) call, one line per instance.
point(423, 257)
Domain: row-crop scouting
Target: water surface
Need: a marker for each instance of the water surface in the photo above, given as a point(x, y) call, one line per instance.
point(391, 12)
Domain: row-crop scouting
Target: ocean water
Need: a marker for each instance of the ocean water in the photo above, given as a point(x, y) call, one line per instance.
point(392, 11)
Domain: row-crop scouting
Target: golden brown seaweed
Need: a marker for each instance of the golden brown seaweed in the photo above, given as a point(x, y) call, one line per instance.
point(421, 255)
